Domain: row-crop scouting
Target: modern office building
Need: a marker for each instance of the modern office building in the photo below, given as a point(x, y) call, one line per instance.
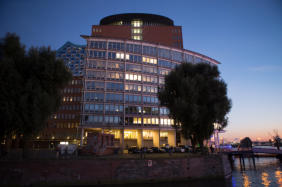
point(127, 58)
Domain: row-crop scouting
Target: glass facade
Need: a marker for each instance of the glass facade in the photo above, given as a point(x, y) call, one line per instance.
point(122, 81)
point(73, 57)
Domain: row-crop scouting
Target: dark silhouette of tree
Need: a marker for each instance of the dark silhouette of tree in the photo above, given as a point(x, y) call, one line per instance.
point(276, 139)
point(197, 98)
point(30, 87)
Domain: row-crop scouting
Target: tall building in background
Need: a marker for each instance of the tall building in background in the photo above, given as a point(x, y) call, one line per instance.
point(63, 126)
point(73, 56)
point(127, 58)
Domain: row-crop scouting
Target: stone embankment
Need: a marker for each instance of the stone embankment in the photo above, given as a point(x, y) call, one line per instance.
point(99, 171)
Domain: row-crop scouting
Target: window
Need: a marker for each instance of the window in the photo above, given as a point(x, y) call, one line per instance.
point(98, 44)
point(134, 37)
point(114, 86)
point(165, 63)
point(149, 60)
point(135, 58)
point(133, 67)
point(163, 71)
point(97, 54)
point(95, 74)
point(116, 46)
point(151, 121)
point(132, 98)
point(91, 96)
point(96, 64)
point(149, 69)
point(114, 75)
point(177, 56)
point(115, 66)
point(97, 108)
point(136, 31)
point(112, 108)
point(94, 85)
point(133, 87)
point(114, 97)
point(151, 51)
point(136, 23)
point(133, 48)
point(133, 77)
point(164, 53)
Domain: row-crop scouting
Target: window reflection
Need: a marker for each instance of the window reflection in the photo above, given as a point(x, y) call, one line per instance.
point(246, 181)
point(264, 178)
point(278, 175)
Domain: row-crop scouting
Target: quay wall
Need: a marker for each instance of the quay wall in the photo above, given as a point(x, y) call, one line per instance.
point(103, 171)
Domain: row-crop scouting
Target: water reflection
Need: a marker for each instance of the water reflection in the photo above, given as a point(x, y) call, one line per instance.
point(264, 178)
point(246, 181)
point(278, 176)
point(267, 173)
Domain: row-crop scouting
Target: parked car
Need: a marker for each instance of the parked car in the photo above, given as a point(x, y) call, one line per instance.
point(186, 148)
point(155, 149)
point(162, 150)
point(178, 150)
point(133, 149)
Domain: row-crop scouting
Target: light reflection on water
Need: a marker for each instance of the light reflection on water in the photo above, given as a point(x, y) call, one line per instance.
point(267, 173)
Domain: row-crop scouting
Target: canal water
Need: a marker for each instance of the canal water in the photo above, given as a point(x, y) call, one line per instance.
point(267, 173)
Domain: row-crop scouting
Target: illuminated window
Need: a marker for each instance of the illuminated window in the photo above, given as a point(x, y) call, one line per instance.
point(136, 23)
point(135, 120)
point(147, 134)
point(145, 121)
point(163, 134)
point(137, 37)
point(130, 135)
point(133, 77)
point(118, 55)
point(127, 56)
point(137, 31)
point(149, 60)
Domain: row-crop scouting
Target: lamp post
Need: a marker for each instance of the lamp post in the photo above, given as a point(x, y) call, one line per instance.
point(217, 127)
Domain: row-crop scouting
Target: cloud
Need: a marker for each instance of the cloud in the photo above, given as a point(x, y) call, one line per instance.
point(268, 68)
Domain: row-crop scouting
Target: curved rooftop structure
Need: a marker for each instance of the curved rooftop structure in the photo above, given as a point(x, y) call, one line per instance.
point(125, 19)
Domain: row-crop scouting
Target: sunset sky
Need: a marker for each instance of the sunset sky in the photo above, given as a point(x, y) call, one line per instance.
point(244, 35)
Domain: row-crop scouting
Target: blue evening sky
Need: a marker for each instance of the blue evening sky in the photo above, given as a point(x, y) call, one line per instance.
point(244, 35)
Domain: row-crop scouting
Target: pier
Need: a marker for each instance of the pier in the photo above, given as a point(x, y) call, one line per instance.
point(254, 152)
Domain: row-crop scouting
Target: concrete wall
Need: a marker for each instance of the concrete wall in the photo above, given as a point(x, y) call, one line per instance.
point(111, 171)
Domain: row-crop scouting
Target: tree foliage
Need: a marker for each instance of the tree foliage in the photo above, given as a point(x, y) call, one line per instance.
point(30, 86)
point(197, 98)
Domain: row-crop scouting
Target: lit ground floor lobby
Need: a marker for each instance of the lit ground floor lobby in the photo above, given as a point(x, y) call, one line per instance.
point(126, 138)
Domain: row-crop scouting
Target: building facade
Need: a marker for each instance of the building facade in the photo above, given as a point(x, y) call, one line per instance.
point(73, 56)
point(124, 68)
point(63, 126)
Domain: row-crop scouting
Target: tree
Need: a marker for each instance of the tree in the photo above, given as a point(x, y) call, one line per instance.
point(30, 87)
point(197, 98)
point(276, 139)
